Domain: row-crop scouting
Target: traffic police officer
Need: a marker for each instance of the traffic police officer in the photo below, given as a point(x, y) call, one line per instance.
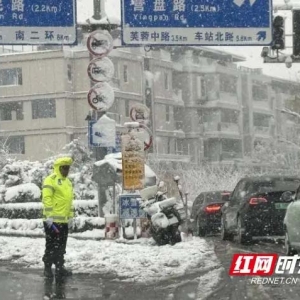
point(58, 213)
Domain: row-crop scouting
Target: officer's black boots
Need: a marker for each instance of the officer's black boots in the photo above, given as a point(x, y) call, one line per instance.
point(65, 272)
point(61, 271)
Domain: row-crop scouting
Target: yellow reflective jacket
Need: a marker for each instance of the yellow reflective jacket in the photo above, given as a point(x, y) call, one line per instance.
point(58, 194)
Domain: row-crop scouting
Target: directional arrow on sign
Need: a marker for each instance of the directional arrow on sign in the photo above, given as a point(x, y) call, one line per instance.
point(261, 35)
point(241, 2)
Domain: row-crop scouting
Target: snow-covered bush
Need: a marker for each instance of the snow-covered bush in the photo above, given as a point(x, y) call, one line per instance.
point(21, 210)
point(33, 210)
point(81, 224)
point(15, 173)
point(27, 192)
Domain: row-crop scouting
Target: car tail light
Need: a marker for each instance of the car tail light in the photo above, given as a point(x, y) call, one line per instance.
point(254, 201)
point(212, 208)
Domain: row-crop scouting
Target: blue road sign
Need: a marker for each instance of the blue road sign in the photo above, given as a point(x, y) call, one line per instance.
point(197, 22)
point(102, 134)
point(129, 207)
point(39, 22)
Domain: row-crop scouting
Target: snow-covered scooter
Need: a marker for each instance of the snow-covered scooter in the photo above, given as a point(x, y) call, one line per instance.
point(165, 215)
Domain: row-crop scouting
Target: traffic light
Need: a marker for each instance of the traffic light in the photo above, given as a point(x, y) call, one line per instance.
point(278, 34)
point(296, 31)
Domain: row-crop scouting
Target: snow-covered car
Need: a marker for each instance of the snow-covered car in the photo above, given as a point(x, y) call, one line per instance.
point(292, 225)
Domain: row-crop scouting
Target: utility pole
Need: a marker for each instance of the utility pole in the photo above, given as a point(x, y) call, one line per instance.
point(99, 10)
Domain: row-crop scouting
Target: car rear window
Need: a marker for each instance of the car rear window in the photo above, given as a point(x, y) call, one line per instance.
point(215, 197)
point(225, 196)
point(274, 185)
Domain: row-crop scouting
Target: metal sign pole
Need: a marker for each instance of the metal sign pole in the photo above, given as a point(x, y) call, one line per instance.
point(135, 229)
point(114, 198)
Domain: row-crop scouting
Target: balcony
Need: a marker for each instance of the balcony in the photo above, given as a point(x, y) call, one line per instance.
point(262, 107)
point(222, 129)
point(220, 100)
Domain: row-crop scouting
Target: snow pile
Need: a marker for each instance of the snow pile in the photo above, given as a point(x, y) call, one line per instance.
point(7, 225)
point(140, 262)
point(27, 226)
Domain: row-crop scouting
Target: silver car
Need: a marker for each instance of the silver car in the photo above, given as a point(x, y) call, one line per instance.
point(292, 225)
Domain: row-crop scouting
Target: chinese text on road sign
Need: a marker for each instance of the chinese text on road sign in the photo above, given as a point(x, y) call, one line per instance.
point(133, 162)
point(129, 207)
point(189, 22)
point(102, 133)
point(37, 22)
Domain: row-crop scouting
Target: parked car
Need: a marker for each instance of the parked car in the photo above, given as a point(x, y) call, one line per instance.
point(257, 207)
point(206, 212)
point(292, 225)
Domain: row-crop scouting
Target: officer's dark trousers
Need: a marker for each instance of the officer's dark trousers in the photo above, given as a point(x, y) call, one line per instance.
point(55, 245)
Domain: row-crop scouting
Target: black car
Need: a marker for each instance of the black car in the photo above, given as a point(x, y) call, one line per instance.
point(206, 211)
point(257, 207)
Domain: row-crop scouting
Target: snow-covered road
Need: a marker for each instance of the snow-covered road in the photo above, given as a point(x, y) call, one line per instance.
point(139, 261)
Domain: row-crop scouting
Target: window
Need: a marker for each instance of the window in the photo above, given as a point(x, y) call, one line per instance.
point(228, 84)
point(127, 109)
point(260, 120)
point(69, 72)
point(11, 77)
point(166, 80)
point(259, 92)
point(179, 146)
point(167, 113)
point(42, 109)
point(229, 116)
point(273, 185)
point(13, 144)
point(10, 111)
point(231, 146)
point(125, 73)
point(168, 145)
point(201, 87)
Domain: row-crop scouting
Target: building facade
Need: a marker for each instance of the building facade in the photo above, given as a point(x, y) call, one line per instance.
point(205, 109)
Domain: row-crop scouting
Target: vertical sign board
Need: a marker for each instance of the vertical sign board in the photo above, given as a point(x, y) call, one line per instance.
point(129, 207)
point(102, 133)
point(190, 22)
point(37, 22)
point(118, 147)
point(133, 162)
